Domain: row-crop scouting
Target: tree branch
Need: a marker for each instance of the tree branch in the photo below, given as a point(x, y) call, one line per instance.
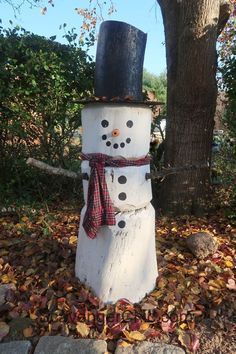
point(226, 9)
point(66, 173)
point(174, 170)
point(55, 170)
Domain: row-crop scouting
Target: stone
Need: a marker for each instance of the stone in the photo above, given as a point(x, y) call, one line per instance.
point(201, 244)
point(65, 345)
point(149, 348)
point(3, 292)
point(16, 347)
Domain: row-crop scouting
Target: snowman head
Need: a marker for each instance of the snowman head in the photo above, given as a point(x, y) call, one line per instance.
point(118, 138)
point(116, 130)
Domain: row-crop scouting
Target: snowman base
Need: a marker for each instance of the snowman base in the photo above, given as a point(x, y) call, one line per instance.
point(121, 261)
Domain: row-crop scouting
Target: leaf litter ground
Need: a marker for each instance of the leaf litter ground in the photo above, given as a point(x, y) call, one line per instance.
point(193, 304)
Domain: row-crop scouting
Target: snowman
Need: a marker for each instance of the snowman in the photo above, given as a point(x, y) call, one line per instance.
point(116, 253)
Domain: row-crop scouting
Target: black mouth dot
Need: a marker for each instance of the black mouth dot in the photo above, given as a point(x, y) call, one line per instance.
point(108, 143)
point(122, 196)
point(104, 123)
point(122, 145)
point(121, 224)
point(104, 137)
point(128, 140)
point(115, 146)
point(129, 124)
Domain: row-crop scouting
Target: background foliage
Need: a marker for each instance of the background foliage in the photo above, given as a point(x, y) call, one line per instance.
point(156, 84)
point(225, 159)
point(39, 81)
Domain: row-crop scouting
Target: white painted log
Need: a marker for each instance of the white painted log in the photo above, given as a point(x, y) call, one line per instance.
point(127, 186)
point(121, 261)
point(116, 129)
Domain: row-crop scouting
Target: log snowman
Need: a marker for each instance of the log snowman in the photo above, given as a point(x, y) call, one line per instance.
point(116, 253)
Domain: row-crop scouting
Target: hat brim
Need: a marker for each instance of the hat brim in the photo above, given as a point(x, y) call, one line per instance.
point(128, 102)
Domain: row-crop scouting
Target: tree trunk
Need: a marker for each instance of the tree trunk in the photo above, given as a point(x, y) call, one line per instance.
point(191, 35)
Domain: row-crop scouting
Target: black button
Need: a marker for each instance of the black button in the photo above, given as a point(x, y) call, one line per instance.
point(128, 140)
point(108, 143)
point(129, 124)
point(115, 146)
point(122, 196)
point(122, 145)
point(104, 137)
point(122, 179)
point(105, 123)
point(121, 224)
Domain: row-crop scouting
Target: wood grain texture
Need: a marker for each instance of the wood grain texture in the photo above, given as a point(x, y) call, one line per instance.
point(121, 261)
point(134, 138)
point(128, 180)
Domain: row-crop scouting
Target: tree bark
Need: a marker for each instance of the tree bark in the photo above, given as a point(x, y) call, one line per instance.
point(190, 33)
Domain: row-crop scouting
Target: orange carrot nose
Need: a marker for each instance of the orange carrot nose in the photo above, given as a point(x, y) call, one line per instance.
point(115, 133)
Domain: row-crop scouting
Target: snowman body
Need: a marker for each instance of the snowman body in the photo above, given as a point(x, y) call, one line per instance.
point(121, 261)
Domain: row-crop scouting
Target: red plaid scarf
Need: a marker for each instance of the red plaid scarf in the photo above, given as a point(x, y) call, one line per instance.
point(100, 210)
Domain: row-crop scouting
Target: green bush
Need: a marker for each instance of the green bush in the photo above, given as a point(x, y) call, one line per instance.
point(39, 81)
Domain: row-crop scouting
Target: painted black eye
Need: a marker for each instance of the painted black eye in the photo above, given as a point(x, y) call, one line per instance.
point(122, 179)
point(122, 145)
point(122, 196)
point(104, 137)
point(105, 123)
point(128, 140)
point(108, 143)
point(129, 124)
point(121, 224)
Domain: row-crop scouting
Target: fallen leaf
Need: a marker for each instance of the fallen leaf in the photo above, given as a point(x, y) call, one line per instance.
point(123, 344)
point(134, 335)
point(185, 339)
point(231, 284)
point(4, 330)
point(195, 343)
point(152, 333)
point(144, 326)
point(117, 329)
point(162, 282)
point(82, 329)
point(28, 332)
point(148, 306)
point(215, 284)
point(167, 325)
point(229, 264)
point(189, 341)
point(33, 316)
point(135, 326)
point(170, 308)
point(73, 240)
point(183, 325)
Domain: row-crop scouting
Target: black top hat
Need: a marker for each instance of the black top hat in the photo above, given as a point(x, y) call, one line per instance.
point(119, 61)
point(119, 65)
